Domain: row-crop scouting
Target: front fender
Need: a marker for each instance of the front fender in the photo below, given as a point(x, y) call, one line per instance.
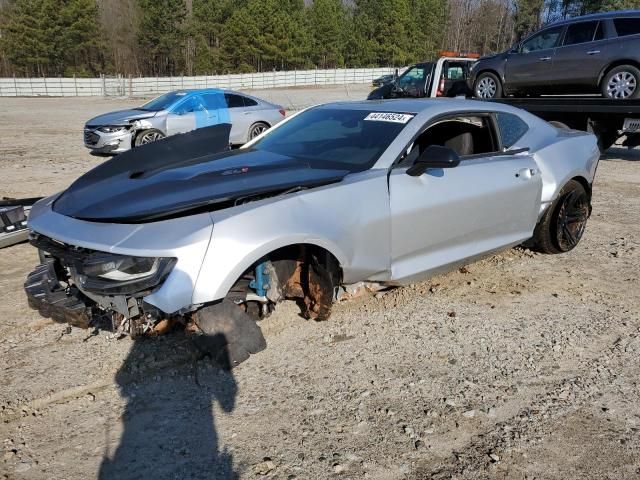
point(350, 219)
point(236, 263)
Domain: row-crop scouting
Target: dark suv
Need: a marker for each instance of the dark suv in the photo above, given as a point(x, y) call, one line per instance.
point(589, 54)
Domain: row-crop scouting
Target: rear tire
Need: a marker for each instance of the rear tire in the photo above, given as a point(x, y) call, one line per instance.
point(564, 222)
point(256, 129)
point(621, 83)
point(487, 86)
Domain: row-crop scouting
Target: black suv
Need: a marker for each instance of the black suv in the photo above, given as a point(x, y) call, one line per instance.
point(589, 54)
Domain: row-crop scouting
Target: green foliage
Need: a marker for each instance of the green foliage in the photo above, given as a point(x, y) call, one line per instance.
point(205, 26)
point(527, 16)
point(328, 24)
point(174, 37)
point(610, 5)
point(161, 35)
point(267, 35)
point(52, 37)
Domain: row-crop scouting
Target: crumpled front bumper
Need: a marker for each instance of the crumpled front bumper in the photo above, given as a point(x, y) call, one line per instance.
point(52, 300)
point(107, 143)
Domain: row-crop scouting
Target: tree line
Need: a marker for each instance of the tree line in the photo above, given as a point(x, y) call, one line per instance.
point(197, 37)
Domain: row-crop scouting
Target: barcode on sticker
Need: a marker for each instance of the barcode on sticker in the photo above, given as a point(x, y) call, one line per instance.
point(389, 117)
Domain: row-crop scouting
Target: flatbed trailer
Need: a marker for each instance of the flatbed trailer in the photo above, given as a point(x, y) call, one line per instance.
point(608, 119)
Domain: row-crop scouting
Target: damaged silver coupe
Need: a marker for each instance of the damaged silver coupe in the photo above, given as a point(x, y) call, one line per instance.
point(189, 233)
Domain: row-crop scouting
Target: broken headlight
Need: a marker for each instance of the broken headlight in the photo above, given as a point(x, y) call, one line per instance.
point(121, 268)
point(112, 273)
point(112, 129)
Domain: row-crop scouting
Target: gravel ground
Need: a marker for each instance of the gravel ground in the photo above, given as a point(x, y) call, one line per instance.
point(521, 366)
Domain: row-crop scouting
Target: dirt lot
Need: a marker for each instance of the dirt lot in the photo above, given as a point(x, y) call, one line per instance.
point(522, 366)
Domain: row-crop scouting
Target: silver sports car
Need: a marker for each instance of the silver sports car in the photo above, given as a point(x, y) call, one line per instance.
point(178, 112)
point(378, 191)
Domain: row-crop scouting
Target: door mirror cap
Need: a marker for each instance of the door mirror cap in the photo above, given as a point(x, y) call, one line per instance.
point(434, 156)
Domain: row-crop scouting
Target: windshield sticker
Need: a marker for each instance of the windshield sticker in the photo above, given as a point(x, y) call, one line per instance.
point(389, 117)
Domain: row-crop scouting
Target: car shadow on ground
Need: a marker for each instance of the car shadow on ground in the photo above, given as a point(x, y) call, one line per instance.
point(617, 153)
point(168, 422)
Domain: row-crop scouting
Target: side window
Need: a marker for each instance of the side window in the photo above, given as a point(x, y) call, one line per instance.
point(466, 135)
point(213, 101)
point(580, 33)
point(415, 76)
point(454, 71)
point(234, 101)
point(543, 40)
point(249, 102)
point(512, 128)
point(599, 32)
point(627, 26)
point(189, 105)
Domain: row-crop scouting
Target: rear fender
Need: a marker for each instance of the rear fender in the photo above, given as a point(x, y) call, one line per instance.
point(572, 154)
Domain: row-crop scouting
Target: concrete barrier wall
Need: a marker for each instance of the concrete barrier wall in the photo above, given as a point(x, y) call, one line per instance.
point(148, 86)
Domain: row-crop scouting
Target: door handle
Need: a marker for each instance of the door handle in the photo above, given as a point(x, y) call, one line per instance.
point(593, 52)
point(544, 59)
point(526, 173)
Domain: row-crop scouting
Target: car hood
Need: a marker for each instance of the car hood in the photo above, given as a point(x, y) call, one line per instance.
point(120, 117)
point(491, 57)
point(174, 177)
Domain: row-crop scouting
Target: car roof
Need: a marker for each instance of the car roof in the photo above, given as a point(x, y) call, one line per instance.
point(416, 105)
point(209, 90)
point(596, 16)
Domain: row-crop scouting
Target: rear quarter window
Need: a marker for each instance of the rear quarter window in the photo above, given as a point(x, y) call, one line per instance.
point(249, 102)
point(627, 26)
point(511, 127)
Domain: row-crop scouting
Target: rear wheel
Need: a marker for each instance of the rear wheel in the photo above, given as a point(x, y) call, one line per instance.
point(487, 86)
point(564, 222)
point(148, 136)
point(621, 83)
point(256, 129)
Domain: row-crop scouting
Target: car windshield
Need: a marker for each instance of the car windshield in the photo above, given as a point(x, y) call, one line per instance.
point(162, 102)
point(416, 76)
point(336, 138)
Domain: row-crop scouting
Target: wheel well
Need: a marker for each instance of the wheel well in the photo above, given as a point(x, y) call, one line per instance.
point(487, 70)
point(615, 64)
point(583, 181)
point(308, 252)
point(306, 273)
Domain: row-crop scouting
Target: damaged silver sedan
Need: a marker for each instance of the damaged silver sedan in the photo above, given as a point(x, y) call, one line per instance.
point(384, 191)
point(181, 111)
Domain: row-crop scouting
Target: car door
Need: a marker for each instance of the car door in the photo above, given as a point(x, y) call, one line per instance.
point(216, 109)
point(454, 78)
point(530, 65)
point(415, 81)
point(242, 111)
point(582, 55)
point(185, 116)
point(448, 216)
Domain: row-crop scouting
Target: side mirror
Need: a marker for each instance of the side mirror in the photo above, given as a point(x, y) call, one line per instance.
point(515, 48)
point(434, 156)
point(395, 74)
